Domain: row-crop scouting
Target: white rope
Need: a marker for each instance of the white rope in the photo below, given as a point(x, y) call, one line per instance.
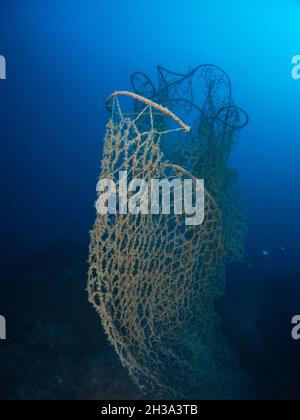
point(113, 108)
point(170, 131)
point(151, 119)
point(142, 113)
point(120, 110)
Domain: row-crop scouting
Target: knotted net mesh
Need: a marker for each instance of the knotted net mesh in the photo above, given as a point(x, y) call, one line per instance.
point(153, 279)
point(203, 96)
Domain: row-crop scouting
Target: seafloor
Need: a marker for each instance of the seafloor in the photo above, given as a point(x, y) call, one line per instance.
point(56, 349)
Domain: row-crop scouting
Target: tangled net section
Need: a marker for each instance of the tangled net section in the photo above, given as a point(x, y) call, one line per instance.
point(153, 279)
point(203, 96)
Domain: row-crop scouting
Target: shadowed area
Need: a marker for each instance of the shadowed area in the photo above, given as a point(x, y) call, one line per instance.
point(52, 351)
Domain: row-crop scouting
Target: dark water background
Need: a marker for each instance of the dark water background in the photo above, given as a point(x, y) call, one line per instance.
point(63, 59)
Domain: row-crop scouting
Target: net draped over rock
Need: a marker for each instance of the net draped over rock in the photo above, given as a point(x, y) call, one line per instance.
point(153, 279)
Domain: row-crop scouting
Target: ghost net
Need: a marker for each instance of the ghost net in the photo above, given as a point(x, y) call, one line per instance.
point(204, 97)
point(153, 279)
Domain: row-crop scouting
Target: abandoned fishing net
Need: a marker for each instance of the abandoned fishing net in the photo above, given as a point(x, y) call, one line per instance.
point(203, 96)
point(154, 279)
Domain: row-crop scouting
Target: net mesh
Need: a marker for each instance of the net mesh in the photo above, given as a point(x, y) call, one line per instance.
point(153, 279)
point(204, 97)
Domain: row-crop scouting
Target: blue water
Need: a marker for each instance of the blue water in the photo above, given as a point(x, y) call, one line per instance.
point(65, 57)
